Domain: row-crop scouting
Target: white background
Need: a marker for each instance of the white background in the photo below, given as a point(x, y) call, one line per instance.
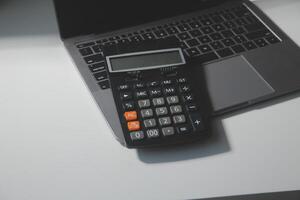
point(55, 143)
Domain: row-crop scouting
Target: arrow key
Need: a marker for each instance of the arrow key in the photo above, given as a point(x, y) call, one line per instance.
point(126, 96)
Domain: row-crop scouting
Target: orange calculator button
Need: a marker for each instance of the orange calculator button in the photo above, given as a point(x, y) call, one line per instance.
point(130, 116)
point(134, 126)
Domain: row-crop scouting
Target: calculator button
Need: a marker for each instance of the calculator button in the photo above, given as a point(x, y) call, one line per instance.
point(141, 94)
point(130, 116)
point(169, 90)
point(153, 84)
point(179, 119)
point(128, 105)
point(167, 82)
point(161, 111)
point(176, 109)
point(185, 88)
point(137, 135)
point(149, 123)
point(192, 107)
point(152, 133)
point(140, 85)
point(188, 98)
point(147, 113)
point(165, 121)
point(126, 96)
point(197, 121)
point(144, 103)
point(182, 80)
point(168, 131)
point(172, 100)
point(183, 129)
point(133, 126)
point(158, 101)
point(124, 87)
point(155, 92)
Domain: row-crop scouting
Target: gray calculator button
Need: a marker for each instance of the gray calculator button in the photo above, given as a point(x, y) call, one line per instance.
point(176, 109)
point(161, 111)
point(179, 119)
point(165, 121)
point(158, 101)
point(172, 99)
point(137, 135)
point(149, 123)
point(168, 131)
point(147, 113)
point(152, 133)
point(144, 103)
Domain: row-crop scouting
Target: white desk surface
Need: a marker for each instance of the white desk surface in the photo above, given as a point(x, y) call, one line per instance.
point(55, 143)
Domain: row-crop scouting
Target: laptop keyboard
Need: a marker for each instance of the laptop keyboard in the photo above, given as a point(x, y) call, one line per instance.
point(207, 38)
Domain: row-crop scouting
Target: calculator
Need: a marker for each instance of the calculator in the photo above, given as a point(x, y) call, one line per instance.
point(158, 98)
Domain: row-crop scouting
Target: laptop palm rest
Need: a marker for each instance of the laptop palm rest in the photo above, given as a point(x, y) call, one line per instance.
point(234, 81)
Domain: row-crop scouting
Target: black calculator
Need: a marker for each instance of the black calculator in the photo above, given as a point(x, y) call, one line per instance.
point(158, 96)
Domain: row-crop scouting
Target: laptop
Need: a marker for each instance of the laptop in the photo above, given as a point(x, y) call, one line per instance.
point(129, 54)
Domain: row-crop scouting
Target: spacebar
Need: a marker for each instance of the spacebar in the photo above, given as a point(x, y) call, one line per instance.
point(206, 57)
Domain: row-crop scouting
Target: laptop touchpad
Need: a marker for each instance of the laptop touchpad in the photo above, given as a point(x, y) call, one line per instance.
point(234, 81)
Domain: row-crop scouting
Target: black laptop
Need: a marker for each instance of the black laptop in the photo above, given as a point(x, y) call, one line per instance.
point(160, 71)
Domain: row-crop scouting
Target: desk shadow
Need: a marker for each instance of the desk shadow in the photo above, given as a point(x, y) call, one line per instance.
point(262, 105)
point(216, 143)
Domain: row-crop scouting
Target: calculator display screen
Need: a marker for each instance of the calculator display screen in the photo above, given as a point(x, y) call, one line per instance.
point(145, 60)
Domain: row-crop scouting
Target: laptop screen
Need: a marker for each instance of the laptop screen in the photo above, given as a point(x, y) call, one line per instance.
point(82, 17)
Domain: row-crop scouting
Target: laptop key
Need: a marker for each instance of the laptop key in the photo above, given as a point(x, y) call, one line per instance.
point(97, 48)
point(217, 19)
point(97, 67)
point(240, 39)
point(101, 76)
point(229, 24)
point(172, 30)
point(184, 36)
point(218, 27)
point(195, 25)
point(258, 34)
point(148, 36)
point(88, 44)
point(250, 45)
point(216, 36)
point(207, 30)
point(192, 42)
point(184, 27)
point(206, 22)
point(238, 48)
point(204, 58)
point(86, 51)
point(205, 48)
point(192, 52)
point(254, 27)
point(227, 33)
point(104, 85)
point(261, 42)
point(195, 33)
point(161, 33)
point(204, 39)
point(217, 45)
point(225, 52)
point(272, 39)
point(239, 30)
point(228, 42)
point(93, 59)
